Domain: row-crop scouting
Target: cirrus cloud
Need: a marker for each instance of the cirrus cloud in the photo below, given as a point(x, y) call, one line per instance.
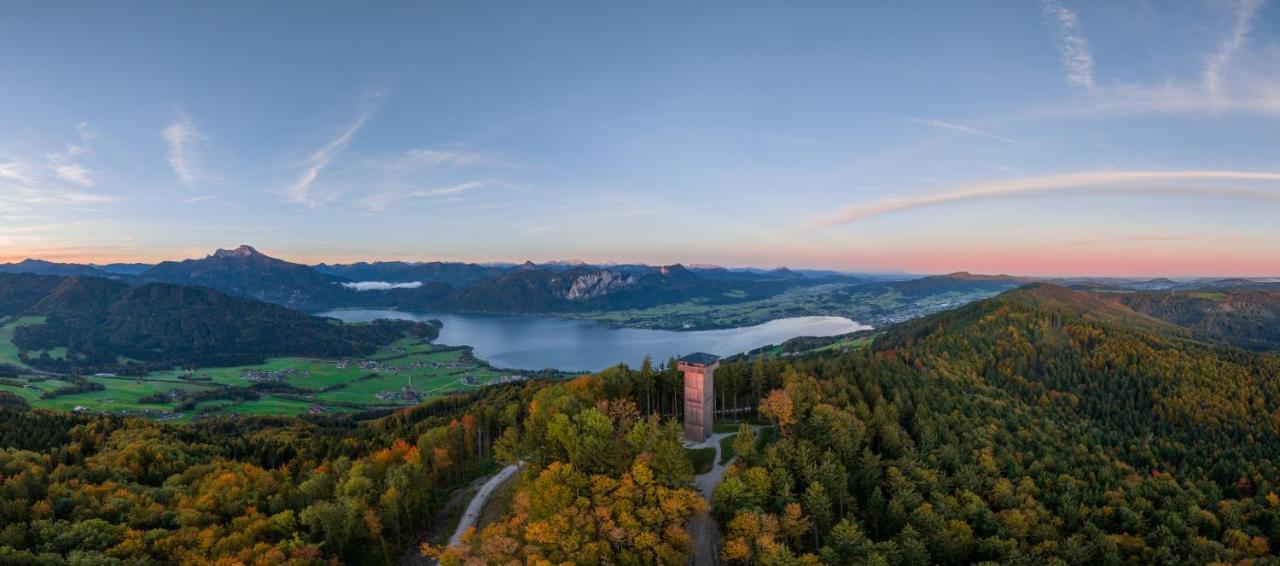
point(939, 124)
point(300, 190)
point(1243, 185)
point(185, 140)
point(1072, 45)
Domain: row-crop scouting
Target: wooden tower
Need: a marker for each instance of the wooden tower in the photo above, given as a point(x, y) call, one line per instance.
point(699, 394)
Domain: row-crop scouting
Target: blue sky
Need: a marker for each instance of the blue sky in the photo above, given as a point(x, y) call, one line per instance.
point(1109, 137)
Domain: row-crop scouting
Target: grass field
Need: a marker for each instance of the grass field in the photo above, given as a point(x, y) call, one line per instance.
point(402, 374)
point(9, 350)
point(31, 395)
point(59, 353)
point(118, 395)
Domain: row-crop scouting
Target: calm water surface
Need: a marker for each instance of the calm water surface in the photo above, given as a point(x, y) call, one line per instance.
point(537, 342)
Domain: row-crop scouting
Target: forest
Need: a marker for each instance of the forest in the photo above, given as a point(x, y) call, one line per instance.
point(1247, 318)
point(102, 325)
point(1041, 426)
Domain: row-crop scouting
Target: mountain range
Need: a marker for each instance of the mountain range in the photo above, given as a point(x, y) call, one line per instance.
point(577, 287)
point(462, 287)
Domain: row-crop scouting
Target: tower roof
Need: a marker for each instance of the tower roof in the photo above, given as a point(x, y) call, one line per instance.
point(700, 358)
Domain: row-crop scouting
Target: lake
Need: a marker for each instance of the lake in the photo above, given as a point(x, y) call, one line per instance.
point(539, 342)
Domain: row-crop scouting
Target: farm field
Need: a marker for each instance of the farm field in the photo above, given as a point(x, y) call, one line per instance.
point(9, 351)
point(402, 374)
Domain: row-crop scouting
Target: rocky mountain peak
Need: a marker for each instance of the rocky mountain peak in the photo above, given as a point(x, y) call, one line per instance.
point(597, 283)
point(242, 251)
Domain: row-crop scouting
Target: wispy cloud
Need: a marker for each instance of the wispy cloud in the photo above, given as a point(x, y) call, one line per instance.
point(427, 173)
point(427, 158)
point(1242, 17)
point(74, 173)
point(14, 171)
point(1222, 86)
point(1072, 45)
point(32, 200)
point(65, 164)
point(87, 132)
point(300, 190)
point(1253, 97)
point(36, 185)
point(185, 140)
point(939, 124)
point(454, 189)
point(1258, 186)
point(452, 192)
point(201, 198)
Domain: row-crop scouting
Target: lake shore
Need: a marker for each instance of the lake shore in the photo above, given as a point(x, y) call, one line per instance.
point(534, 342)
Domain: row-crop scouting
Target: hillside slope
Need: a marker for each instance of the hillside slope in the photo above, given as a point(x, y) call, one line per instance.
point(1130, 370)
point(1247, 318)
point(98, 325)
point(1042, 426)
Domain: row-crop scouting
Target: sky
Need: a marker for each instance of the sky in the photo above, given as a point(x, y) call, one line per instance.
point(1059, 137)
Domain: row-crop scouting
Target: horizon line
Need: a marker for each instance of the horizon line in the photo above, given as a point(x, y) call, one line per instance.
point(104, 261)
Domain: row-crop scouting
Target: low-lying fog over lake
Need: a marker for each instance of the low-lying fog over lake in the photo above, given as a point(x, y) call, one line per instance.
point(538, 342)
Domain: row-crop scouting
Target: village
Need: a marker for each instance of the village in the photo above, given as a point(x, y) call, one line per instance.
point(376, 365)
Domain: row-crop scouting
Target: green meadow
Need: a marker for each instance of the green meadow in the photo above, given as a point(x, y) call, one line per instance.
point(9, 350)
point(401, 374)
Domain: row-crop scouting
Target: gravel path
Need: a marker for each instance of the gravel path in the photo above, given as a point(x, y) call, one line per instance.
point(477, 503)
point(703, 529)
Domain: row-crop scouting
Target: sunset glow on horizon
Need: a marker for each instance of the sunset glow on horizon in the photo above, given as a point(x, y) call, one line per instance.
point(1051, 138)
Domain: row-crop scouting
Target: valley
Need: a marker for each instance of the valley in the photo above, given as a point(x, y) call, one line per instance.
point(1003, 402)
point(402, 374)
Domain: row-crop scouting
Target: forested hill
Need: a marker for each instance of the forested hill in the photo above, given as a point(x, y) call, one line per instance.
point(1043, 426)
point(1135, 373)
point(69, 324)
point(1049, 299)
point(1248, 318)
